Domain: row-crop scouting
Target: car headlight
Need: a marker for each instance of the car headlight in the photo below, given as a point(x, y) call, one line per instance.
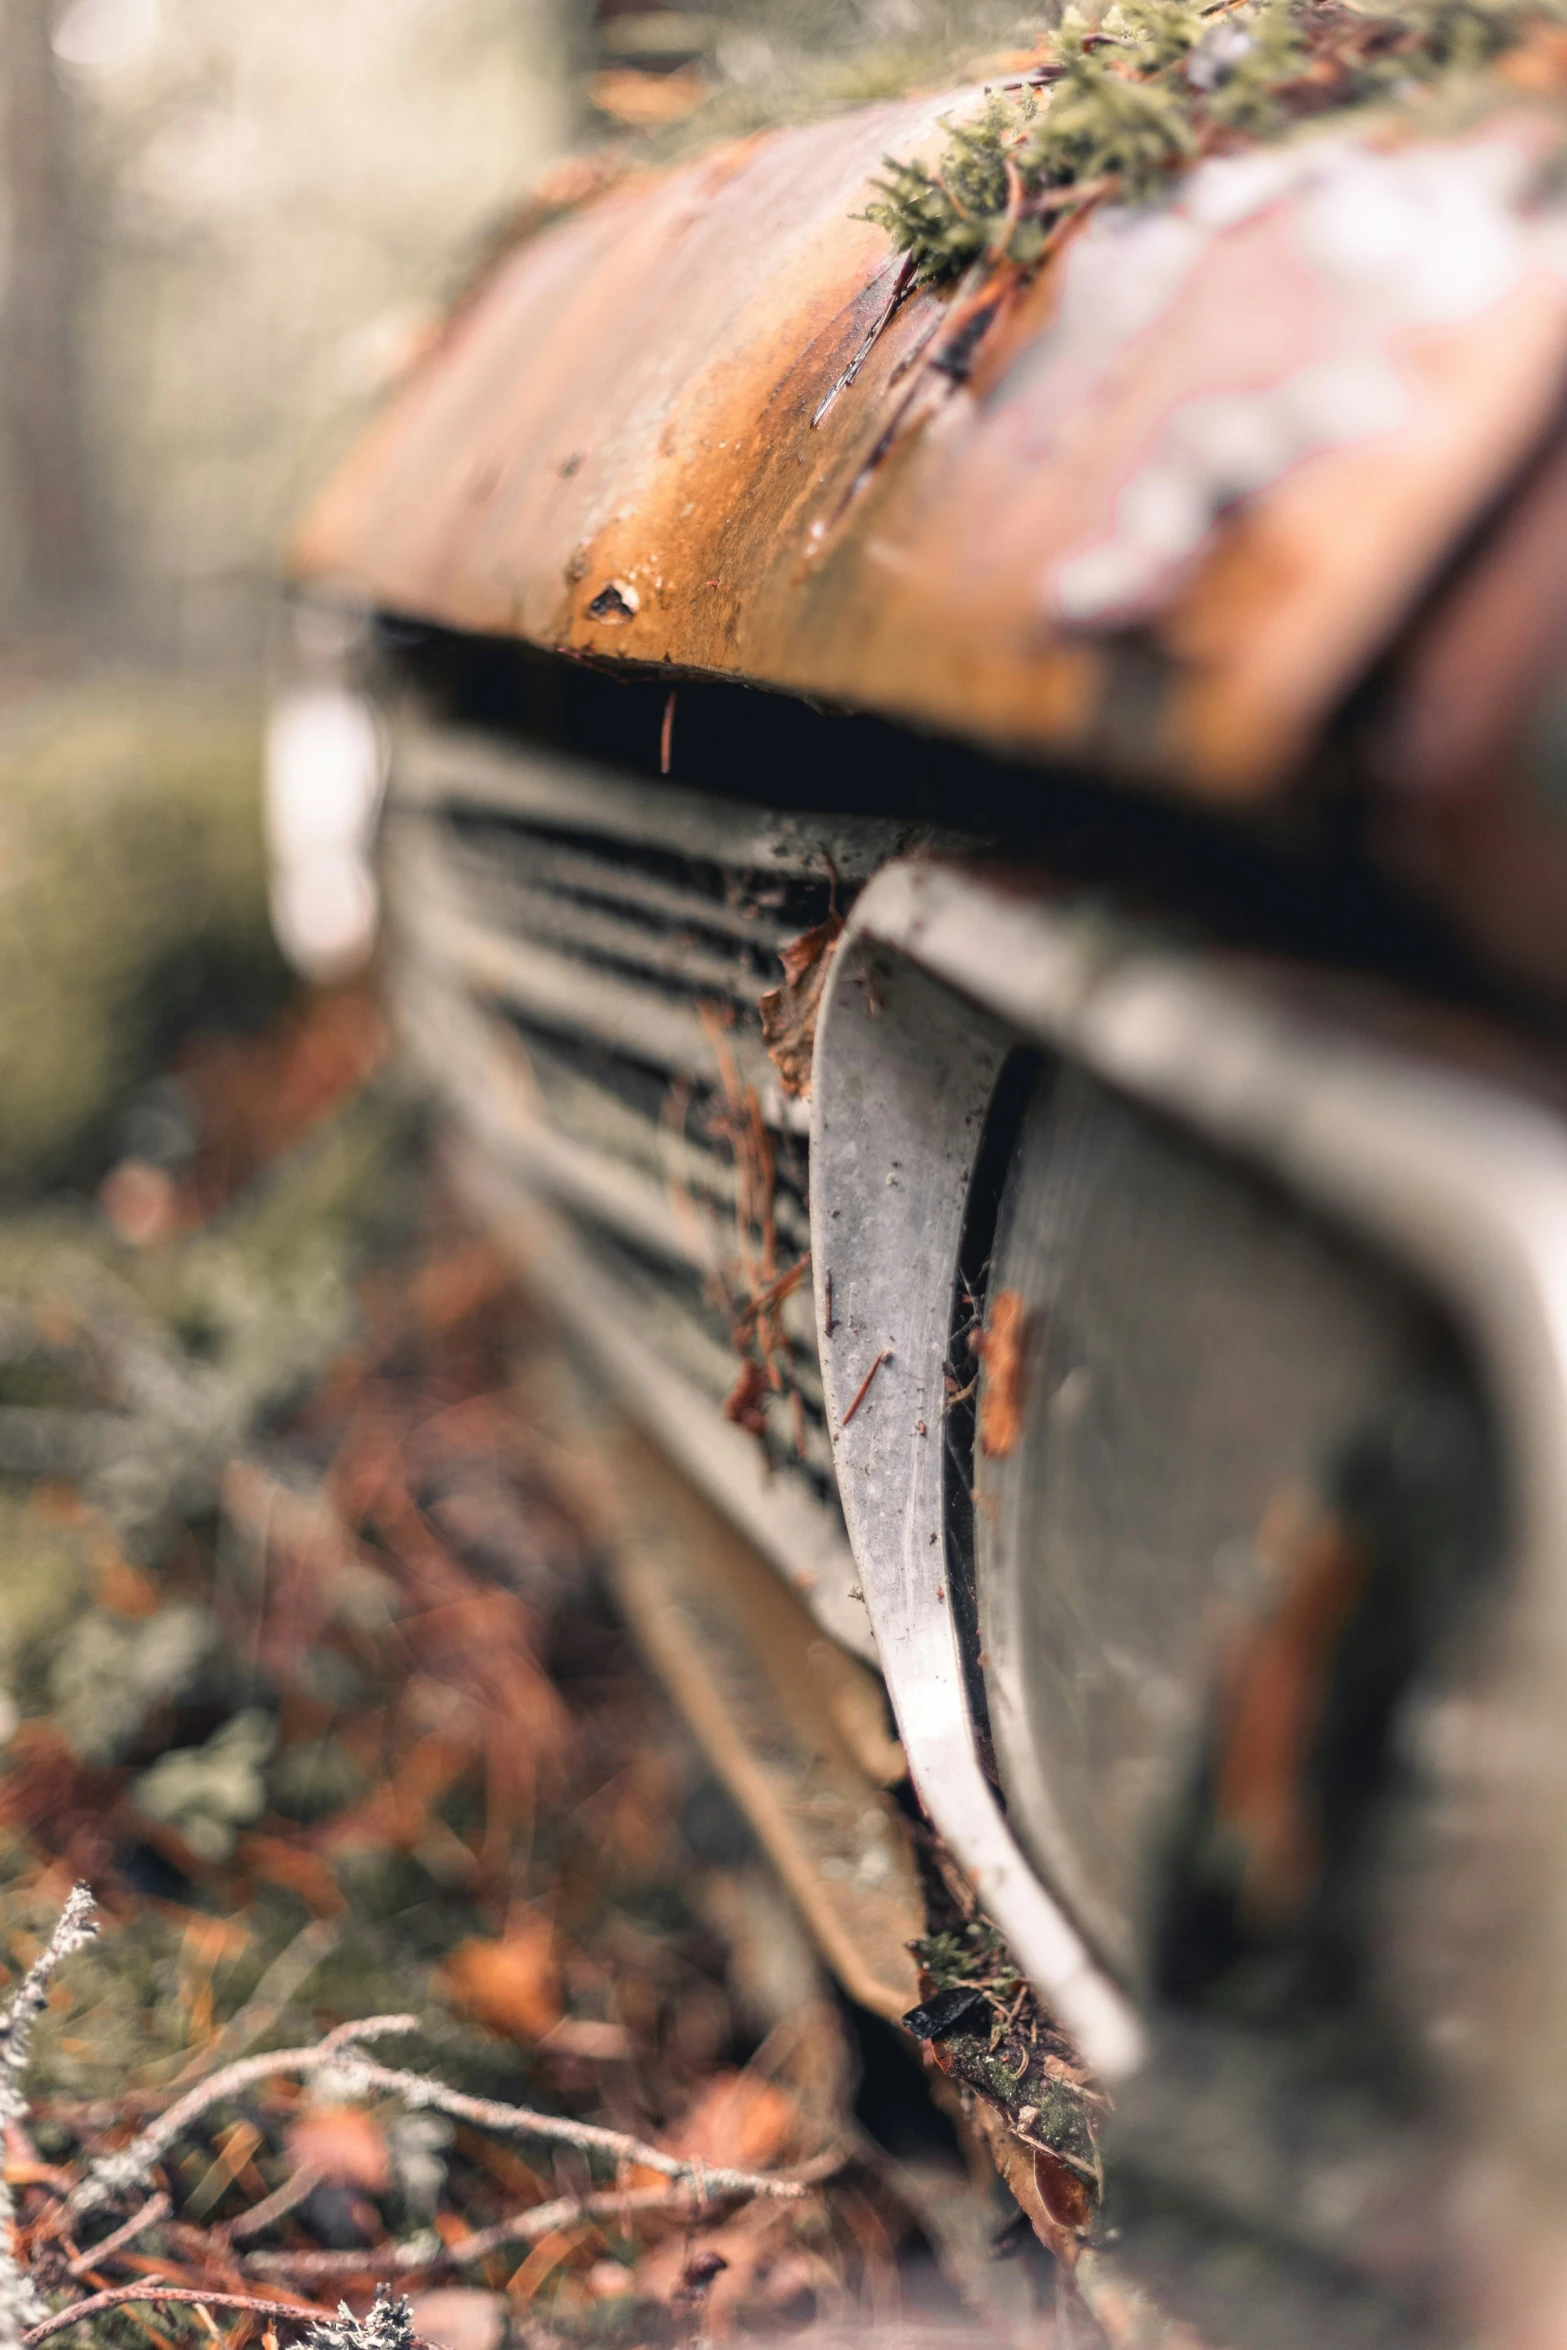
point(1230, 1472)
point(1265, 1509)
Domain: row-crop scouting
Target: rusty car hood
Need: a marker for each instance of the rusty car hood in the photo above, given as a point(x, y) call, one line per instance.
point(1205, 465)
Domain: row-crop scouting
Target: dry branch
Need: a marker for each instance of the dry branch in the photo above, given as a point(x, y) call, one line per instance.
point(487, 2113)
point(19, 2302)
point(155, 2208)
point(74, 1930)
point(523, 2227)
point(112, 2174)
point(149, 2289)
point(277, 2205)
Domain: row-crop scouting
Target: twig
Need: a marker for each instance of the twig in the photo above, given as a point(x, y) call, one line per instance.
point(883, 319)
point(524, 2227)
point(300, 2312)
point(766, 1301)
point(74, 1929)
point(155, 2208)
point(666, 734)
point(111, 2174)
point(864, 1387)
point(485, 2113)
point(277, 2205)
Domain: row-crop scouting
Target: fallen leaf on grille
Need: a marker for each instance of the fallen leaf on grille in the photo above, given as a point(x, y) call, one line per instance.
point(343, 2145)
point(746, 1401)
point(1016, 2075)
point(788, 1013)
point(512, 1986)
point(1067, 2197)
point(1000, 1347)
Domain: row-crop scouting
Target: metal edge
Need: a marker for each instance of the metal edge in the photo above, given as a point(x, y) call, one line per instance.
point(902, 1082)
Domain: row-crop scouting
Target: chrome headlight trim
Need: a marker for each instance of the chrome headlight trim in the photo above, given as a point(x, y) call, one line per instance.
point(941, 970)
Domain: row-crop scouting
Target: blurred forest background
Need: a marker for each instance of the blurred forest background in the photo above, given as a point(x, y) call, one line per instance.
point(224, 233)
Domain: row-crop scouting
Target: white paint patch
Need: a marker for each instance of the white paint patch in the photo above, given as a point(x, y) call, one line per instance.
point(1427, 236)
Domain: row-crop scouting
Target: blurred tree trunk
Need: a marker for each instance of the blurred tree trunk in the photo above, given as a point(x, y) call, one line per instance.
point(39, 366)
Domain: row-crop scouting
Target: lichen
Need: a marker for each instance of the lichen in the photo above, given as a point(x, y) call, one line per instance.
point(1117, 104)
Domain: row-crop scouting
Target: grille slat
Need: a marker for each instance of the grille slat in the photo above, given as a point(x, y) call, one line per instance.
point(574, 992)
point(634, 948)
point(546, 794)
point(542, 863)
point(491, 1088)
point(596, 1116)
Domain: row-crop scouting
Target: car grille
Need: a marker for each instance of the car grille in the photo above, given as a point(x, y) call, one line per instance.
point(578, 958)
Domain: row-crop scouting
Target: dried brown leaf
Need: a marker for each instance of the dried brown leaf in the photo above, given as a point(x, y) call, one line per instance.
point(343, 2144)
point(512, 1986)
point(738, 2120)
point(746, 1402)
point(788, 1013)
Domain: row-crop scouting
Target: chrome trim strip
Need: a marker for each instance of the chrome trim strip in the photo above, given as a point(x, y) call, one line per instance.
point(904, 1074)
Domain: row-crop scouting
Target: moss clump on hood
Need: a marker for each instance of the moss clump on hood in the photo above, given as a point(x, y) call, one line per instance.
point(1115, 105)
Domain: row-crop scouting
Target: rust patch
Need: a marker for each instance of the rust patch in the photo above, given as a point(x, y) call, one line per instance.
point(788, 1013)
point(1000, 1347)
point(683, 383)
point(1276, 1687)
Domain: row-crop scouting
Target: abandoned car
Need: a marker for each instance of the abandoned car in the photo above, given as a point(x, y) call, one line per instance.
point(975, 844)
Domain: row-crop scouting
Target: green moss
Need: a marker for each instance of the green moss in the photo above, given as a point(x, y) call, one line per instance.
point(1006, 2049)
point(44, 1572)
point(132, 887)
point(1125, 99)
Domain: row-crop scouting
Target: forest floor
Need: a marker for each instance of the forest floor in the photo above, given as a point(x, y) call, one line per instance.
point(311, 1674)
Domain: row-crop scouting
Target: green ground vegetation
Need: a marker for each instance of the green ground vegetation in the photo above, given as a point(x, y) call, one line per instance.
point(132, 892)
